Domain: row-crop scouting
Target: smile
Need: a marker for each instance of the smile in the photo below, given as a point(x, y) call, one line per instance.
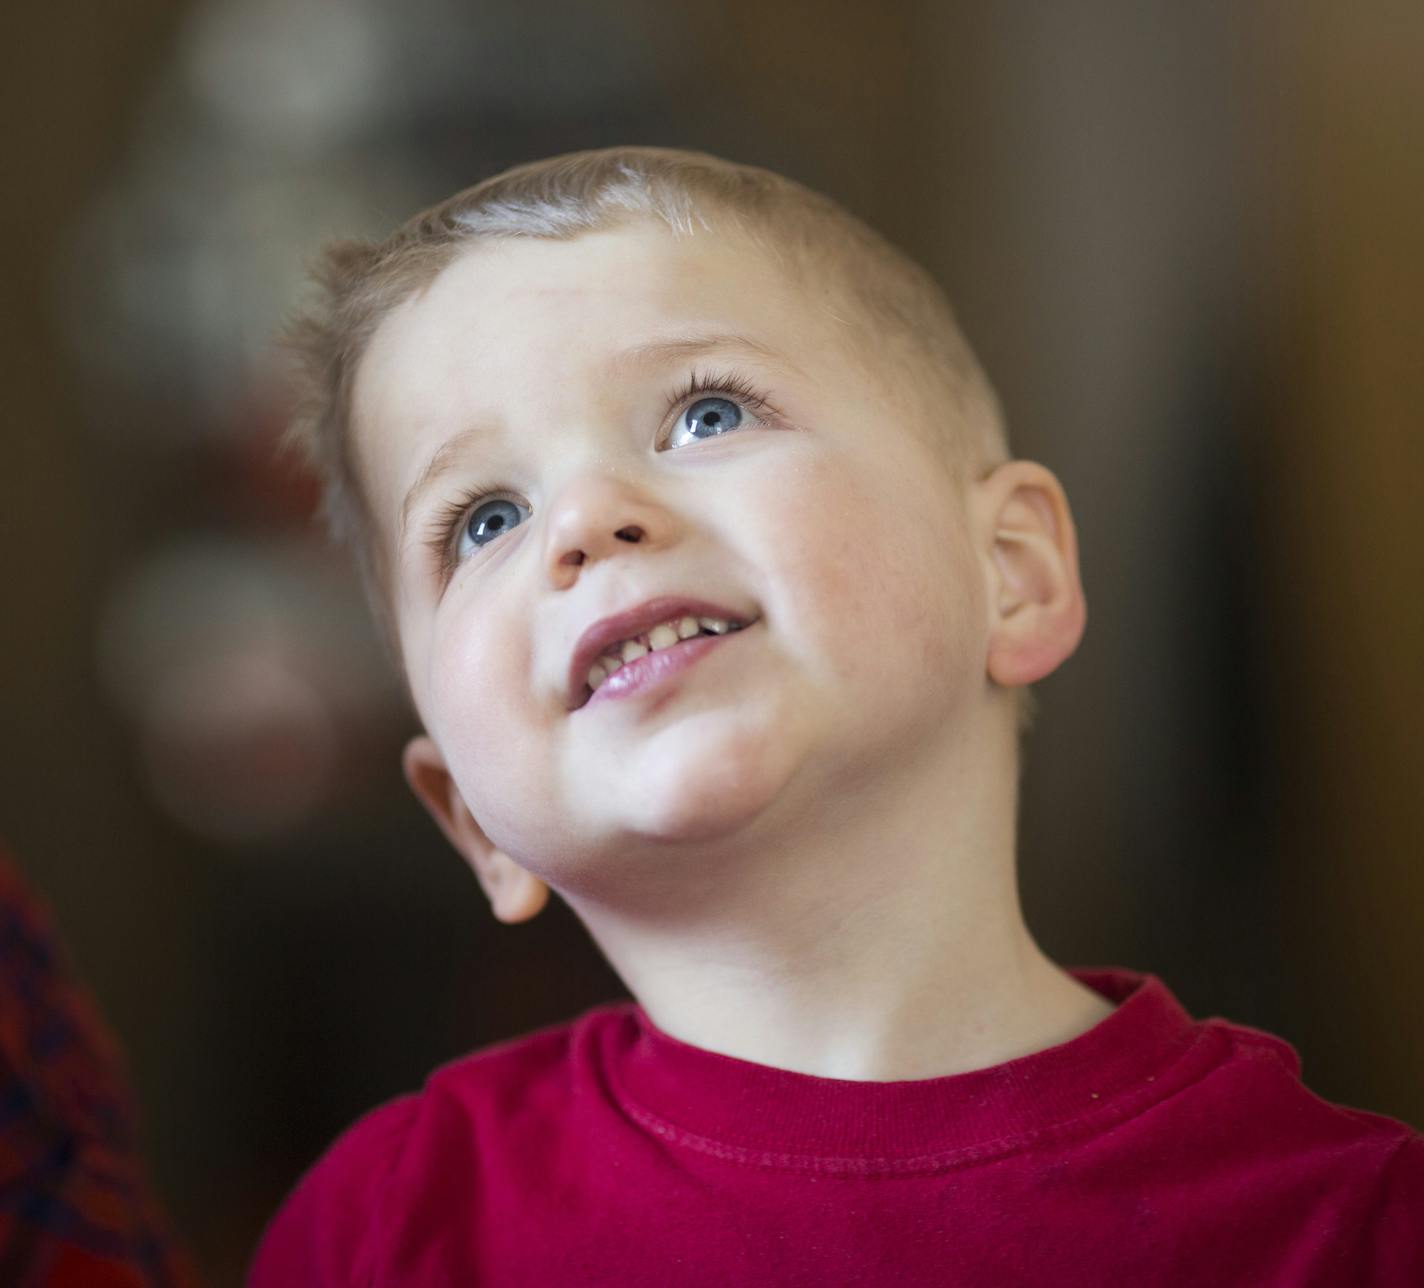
point(651, 669)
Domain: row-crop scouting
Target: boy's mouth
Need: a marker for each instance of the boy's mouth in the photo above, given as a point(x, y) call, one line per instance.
point(657, 626)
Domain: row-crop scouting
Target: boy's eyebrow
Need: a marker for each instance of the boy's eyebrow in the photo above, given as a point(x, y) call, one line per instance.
point(651, 353)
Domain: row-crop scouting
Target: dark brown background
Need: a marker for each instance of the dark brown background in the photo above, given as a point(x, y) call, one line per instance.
point(1186, 241)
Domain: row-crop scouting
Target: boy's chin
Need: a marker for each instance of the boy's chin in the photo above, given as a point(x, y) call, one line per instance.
point(703, 794)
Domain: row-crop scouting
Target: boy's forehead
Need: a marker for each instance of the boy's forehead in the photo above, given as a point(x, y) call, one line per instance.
point(528, 286)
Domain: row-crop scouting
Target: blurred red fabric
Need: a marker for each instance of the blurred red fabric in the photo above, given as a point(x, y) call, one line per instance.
point(75, 1204)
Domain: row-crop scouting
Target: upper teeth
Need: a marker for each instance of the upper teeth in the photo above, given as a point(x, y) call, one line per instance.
point(654, 641)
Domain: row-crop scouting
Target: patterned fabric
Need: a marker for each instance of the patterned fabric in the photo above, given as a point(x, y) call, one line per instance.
point(75, 1207)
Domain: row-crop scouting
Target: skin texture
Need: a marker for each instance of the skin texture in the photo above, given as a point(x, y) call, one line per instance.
point(800, 851)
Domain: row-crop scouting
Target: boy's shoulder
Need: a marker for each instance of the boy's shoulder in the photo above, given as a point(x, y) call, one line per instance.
point(328, 1225)
point(1357, 1176)
point(1245, 1102)
point(1272, 1067)
point(505, 1088)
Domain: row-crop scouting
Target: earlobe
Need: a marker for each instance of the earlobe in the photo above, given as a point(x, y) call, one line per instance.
point(514, 894)
point(1036, 606)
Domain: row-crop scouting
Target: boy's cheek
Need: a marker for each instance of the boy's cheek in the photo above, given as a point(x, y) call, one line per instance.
point(495, 758)
point(865, 566)
point(475, 692)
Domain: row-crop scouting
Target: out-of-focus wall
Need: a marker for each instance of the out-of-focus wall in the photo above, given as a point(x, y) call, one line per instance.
point(1340, 510)
point(1184, 240)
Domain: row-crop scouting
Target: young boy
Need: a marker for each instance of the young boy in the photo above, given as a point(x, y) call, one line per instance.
point(691, 521)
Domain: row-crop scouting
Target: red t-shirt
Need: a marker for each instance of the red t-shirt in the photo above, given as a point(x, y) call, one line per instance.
point(1150, 1149)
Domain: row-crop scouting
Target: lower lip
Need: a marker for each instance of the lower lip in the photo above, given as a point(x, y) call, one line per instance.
point(650, 670)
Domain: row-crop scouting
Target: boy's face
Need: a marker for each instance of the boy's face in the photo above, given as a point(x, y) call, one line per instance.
point(818, 511)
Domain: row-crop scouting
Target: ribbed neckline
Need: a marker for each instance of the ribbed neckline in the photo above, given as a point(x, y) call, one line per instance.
point(756, 1113)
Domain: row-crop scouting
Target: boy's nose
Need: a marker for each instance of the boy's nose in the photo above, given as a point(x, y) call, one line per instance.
point(598, 515)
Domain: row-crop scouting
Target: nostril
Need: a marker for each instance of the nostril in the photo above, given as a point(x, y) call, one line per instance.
point(622, 533)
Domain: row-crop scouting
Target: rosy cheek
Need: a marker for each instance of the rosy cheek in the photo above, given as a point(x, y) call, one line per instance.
point(821, 548)
point(875, 560)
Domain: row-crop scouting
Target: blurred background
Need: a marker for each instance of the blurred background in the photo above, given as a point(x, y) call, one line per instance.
point(1188, 243)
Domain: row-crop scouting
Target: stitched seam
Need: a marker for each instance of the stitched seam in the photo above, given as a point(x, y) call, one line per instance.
point(1132, 1102)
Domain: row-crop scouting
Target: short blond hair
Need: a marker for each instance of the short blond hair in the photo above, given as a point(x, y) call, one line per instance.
point(866, 283)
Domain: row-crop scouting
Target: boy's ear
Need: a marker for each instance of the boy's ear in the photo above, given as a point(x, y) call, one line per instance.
point(1036, 608)
point(514, 894)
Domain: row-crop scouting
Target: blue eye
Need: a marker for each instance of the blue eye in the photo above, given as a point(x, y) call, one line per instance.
point(490, 520)
point(706, 418)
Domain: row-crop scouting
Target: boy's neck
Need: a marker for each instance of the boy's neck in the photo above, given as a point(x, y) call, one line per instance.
point(879, 940)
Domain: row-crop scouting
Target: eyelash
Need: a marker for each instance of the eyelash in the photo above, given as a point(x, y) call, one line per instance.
point(447, 523)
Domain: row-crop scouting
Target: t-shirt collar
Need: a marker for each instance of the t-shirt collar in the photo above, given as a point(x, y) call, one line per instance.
point(757, 1113)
